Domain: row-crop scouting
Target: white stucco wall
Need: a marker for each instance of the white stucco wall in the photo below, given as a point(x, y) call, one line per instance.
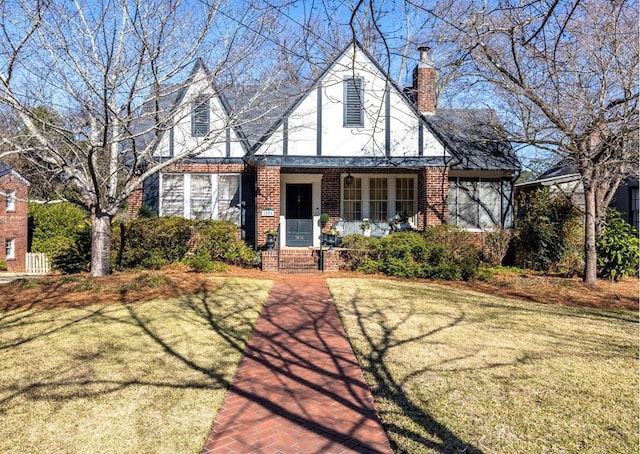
point(340, 141)
point(214, 144)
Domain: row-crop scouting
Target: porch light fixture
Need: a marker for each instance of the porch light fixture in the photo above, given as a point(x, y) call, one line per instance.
point(348, 180)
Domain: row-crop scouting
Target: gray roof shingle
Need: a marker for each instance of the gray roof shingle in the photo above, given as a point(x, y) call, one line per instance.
point(474, 140)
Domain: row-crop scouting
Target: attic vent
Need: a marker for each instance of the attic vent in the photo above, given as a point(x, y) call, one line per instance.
point(200, 117)
point(353, 102)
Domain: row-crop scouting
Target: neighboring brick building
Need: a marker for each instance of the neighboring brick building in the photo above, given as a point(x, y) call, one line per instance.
point(352, 145)
point(14, 192)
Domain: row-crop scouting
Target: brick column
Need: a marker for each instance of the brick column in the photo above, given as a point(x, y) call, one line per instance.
point(268, 196)
point(134, 202)
point(433, 192)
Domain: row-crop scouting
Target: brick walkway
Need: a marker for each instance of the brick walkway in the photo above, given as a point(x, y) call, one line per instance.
point(298, 388)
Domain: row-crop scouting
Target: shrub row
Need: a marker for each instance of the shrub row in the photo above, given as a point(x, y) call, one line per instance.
point(156, 242)
point(442, 252)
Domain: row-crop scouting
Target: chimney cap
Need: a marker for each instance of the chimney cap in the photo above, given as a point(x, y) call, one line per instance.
point(426, 61)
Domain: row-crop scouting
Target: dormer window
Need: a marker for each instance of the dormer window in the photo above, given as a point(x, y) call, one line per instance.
point(200, 117)
point(353, 102)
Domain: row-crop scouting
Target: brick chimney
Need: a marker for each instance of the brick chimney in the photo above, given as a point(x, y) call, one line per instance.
point(424, 82)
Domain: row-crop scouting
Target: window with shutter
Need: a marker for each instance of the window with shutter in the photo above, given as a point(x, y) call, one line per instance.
point(353, 102)
point(200, 117)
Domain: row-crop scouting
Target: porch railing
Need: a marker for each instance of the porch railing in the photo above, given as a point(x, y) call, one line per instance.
point(377, 228)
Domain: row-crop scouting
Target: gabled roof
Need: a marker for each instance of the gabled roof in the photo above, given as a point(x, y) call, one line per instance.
point(301, 92)
point(473, 139)
point(6, 169)
point(170, 98)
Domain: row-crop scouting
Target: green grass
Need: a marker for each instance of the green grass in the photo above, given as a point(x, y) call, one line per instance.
point(453, 370)
point(119, 378)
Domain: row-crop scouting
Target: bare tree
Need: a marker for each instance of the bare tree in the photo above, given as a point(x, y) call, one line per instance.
point(105, 68)
point(566, 75)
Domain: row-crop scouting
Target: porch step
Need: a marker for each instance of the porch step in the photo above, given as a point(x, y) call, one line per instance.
point(298, 261)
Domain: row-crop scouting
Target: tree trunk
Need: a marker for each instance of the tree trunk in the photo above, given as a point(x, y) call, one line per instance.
point(590, 255)
point(101, 244)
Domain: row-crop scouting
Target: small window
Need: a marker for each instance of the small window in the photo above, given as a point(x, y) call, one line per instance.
point(378, 199)
point(352, 200)
point(172, 199)
point(10, 248)
point(200, 117)
point(353, 102)
point(10, 201)
point(405, 196)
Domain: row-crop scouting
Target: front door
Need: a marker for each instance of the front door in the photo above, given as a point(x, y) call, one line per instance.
point(298, 214)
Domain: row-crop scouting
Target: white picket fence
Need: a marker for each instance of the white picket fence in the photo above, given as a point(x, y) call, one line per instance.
point(37, 263)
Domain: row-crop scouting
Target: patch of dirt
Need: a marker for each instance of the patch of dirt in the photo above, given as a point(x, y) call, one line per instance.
point(131, 287)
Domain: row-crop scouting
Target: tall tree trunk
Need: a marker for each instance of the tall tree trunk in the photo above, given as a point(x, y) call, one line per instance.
point(590, 255)
point(101, 244)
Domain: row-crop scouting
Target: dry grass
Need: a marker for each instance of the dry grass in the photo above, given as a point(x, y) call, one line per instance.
point(122, 377)
point(454, 370)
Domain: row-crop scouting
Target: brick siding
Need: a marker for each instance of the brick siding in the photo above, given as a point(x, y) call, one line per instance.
point(13, 224)
point(268, 183)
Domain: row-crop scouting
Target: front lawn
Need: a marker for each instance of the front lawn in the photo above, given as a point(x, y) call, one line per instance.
point(453, 370)
point(125, 376)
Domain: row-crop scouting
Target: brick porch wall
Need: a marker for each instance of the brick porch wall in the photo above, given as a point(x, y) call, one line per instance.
point(268, 182)
point(13, 224)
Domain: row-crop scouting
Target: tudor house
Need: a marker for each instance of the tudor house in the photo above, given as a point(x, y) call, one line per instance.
point(353, 145)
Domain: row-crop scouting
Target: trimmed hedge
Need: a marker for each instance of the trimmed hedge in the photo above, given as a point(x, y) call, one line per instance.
point(441, 252)
point(156, 242)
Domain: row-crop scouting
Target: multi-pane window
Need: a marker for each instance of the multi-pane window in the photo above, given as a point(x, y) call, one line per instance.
point(201, 196)
point(353, 102)
point(378, 199)
point(229, 198)
point(10, 248)
point(479, 204)
point(10, 201)
point(352, 200)
point(172, 195)
point(200, 117)
point(405, 196)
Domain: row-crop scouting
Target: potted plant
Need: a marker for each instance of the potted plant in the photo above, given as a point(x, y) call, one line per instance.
point(324, 218)
point(271, 238)
point(365, 226)
point(331, 237)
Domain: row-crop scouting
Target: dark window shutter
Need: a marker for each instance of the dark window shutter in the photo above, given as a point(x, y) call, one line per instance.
point(200, 117)
point(353, 102)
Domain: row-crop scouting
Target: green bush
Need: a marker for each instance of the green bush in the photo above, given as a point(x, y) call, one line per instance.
point(546, 230)
point(156, 242)
point(442, 252)
point(151, 242)
point(201, 262)
point(618, 248)
point(72, 259)
point(3, 265)
point(56, 227)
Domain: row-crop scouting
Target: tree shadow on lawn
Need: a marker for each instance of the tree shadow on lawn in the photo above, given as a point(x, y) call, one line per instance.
point(388, 388)
point(78, 374)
